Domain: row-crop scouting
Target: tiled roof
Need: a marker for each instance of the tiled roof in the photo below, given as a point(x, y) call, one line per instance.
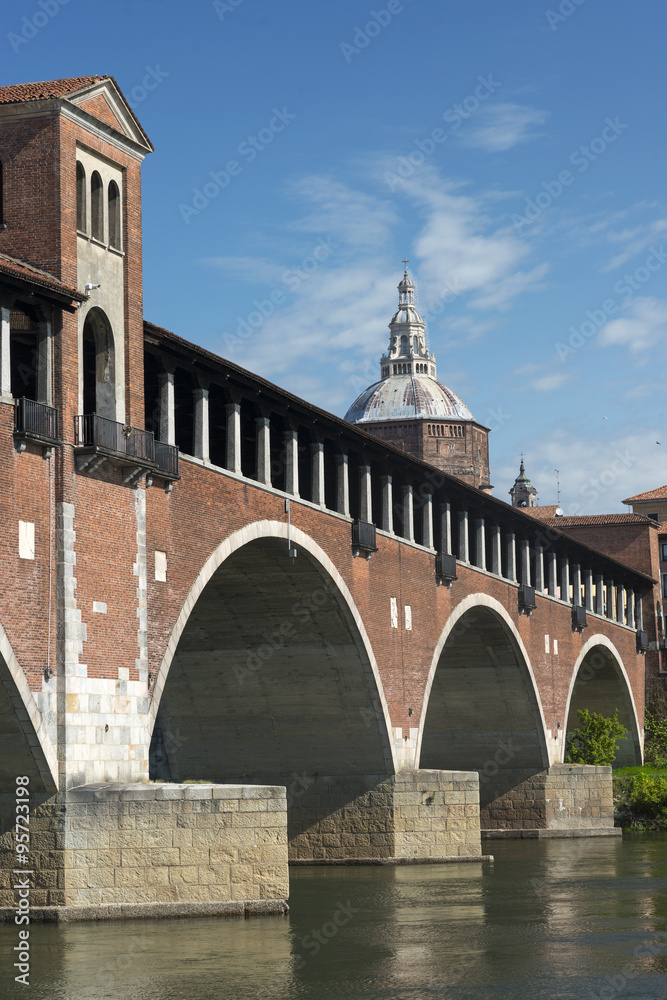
point(658, 494)
point(45, 90)
point(19, 269)
point(542, 513)
point(585, 520)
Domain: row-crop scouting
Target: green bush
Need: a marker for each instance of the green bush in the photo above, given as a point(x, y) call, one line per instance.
point(655, 738)
point(647, 796)
point(595, 740)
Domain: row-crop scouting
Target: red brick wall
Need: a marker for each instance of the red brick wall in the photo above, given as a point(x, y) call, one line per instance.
point(220, 505)
point(24, 590)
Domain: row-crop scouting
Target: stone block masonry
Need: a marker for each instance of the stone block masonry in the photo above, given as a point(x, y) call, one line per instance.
point(130, 850)
point(566, 797)
point(418, 815)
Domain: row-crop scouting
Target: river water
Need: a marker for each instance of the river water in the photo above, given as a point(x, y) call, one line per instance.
point(551, 919)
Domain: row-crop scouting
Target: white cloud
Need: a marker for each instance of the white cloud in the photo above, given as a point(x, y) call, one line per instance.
point(645, 326)
point(499, 127)
point(636, 240)
point(547, 383)
point(338, 316)
point(596, 472)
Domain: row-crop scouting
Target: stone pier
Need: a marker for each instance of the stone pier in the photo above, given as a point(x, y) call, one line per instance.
point(111, 851)
point(418, 815)
point(572, 800)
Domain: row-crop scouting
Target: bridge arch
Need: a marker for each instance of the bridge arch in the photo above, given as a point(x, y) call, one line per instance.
point(600, 683)
point(25, 746)
point(269, 677)
point(482, 709)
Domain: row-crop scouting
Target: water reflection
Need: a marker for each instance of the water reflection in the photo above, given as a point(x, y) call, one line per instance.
point(562, 920)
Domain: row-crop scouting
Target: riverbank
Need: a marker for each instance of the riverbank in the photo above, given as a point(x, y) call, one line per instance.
point(640, 797)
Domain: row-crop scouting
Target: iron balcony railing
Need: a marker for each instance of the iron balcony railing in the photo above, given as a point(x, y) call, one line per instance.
point(527, 600)
point(445, 566)
point(364, 536)
point(94, 431)
point(166, 459)
point(579, 619)
point(36, 420)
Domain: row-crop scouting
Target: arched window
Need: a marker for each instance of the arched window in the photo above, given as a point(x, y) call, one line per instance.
point(97, 207)
point(114, 215)
point(99, 367)
point(404, 344)
point(80, 198)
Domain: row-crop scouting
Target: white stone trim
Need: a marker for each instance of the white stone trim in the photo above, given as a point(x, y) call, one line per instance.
point(483, 601)
point(24, 702)
point(601, 640)
point(273, 529)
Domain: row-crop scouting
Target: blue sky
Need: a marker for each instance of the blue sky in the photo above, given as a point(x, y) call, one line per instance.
point(514, 152)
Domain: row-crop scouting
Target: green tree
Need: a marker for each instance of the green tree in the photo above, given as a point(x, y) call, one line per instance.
point(594, 742)
point(655, 738)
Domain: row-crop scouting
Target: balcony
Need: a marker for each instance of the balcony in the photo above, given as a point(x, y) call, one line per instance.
point(445, 567)
point(579, 620)
point(363, 536)
point(527, 601)
point(99, 440)
point(35, 422)
point(166, 460)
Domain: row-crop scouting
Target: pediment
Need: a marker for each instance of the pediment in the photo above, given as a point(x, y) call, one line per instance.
point(105, 101)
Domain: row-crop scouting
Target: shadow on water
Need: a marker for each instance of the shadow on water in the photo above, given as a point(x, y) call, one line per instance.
point(561, 919)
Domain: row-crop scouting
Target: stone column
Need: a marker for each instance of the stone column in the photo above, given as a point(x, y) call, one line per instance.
point(620, 604)
point(387, 504)
point(599, 595)
point(510, 542)
point(342, 484)
point(365, 494)
point(588, 590)
point(446, 528)
point(631, 608)
point(5, 354)
point(565, 580)
point(408, 513)
point(524, 549)
point(317, 466)
point(45, 363)
point(167, 409)
point(201, 424)
point(496, 550)
point(233, 463)
point(576, 584)
point(464, 550)
point(539, 568)
point(427, 521)
point(639, 612)
point(291, 441)
point(610, 599)
point(480, 543)
point(263, 449)
point(552, 575)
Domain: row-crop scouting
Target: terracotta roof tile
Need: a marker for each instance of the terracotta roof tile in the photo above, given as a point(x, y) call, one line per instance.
point(542, 513)
point(19, 269)
point(585, 520)
point(658, 494)
point(45, 90)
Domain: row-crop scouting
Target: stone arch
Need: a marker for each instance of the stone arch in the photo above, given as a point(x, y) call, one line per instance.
point(99, 365)
point(482, 709)
point(25, 746)
point(269, 677)
point(600, 683)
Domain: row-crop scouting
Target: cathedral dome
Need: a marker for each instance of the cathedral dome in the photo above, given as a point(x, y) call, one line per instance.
point(404, 397)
